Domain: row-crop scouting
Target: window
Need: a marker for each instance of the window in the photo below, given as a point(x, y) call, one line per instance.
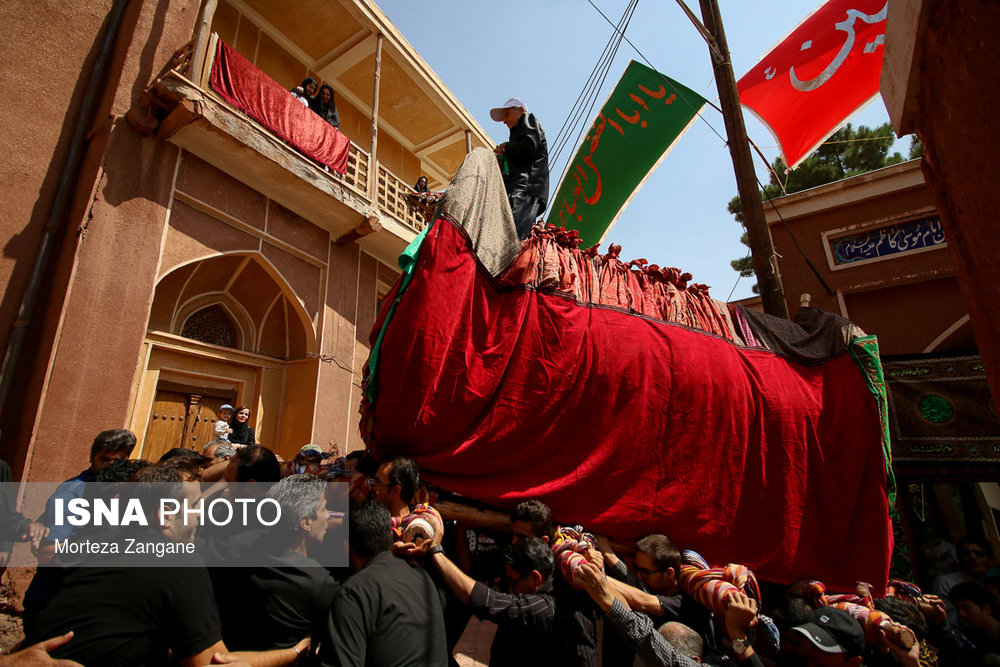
point(211, 325)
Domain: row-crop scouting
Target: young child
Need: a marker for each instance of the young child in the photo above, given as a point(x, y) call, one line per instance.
point(222, 428)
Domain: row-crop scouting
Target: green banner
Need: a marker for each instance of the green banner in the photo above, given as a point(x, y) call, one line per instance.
point(641, 120)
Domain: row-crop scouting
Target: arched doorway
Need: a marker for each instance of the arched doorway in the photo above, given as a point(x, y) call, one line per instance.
point(221, 330)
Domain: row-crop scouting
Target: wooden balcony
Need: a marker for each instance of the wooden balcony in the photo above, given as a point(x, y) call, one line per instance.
point(201, 122)
point(390, 194)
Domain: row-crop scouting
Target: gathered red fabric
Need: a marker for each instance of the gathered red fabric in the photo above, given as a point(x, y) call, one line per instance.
point(551, 258)
point(505, 390)
point(259, 96)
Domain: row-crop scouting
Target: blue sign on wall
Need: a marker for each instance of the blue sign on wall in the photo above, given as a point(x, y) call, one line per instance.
point(889, 240)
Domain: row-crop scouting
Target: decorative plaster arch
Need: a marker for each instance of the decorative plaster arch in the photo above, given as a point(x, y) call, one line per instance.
point(234, 308)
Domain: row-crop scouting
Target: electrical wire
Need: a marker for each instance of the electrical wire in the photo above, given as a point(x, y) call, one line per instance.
point(585, 126)
point(582, 109)
point(795, 240)
point(570, 120)
point(665, 79)
point(726, 142)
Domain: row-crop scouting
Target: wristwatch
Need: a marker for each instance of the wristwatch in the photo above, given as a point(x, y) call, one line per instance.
point(436, 549)
point(740, 645)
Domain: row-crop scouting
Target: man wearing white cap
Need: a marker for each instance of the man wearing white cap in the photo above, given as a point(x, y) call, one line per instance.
point(524, 160)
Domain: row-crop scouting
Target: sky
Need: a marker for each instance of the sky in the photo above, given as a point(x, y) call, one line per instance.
point(543, 51)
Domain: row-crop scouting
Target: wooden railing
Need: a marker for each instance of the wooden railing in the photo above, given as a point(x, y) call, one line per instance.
point(390, 194)
point(356, 176)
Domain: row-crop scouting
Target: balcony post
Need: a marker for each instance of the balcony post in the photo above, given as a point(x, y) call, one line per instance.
point(468, 141)
point(373, 146)
point(202, 31)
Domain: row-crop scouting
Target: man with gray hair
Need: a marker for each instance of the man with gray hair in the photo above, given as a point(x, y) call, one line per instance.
point(218, 450)
point(292, 595)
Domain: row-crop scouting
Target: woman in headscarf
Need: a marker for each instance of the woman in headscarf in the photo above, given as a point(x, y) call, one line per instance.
point(324, 105)
point(421, 185)
point(243, 433)
point(306, 91)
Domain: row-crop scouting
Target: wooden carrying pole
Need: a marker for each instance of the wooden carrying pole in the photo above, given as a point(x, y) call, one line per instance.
point(761, 249)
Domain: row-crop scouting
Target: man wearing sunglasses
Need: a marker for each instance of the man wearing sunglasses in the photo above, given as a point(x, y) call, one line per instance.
point(653, 589)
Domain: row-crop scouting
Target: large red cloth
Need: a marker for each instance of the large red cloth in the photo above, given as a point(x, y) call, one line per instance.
point(259, 96)
point(824, 71)
point(630, 425)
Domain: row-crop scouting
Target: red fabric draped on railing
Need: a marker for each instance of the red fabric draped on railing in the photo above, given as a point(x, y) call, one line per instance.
point(259, 96)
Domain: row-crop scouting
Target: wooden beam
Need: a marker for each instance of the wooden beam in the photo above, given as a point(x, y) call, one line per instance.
point(184, 113)
point(341, 49)
point(369, 226)
point(349, 58)
point(754, 222)
point(204, 29)
point(434, 144)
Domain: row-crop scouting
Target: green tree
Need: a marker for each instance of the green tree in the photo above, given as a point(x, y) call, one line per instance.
point(848, 152)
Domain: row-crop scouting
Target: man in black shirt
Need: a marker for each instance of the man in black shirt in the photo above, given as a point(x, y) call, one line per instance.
point(654, 589)
point(291, 597)
point(526, 616)
point(132, 616)
point(127, 616)
point(388, 614)
point(394, 485)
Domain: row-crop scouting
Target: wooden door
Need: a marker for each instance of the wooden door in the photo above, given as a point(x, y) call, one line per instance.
point(166, 424)
point(182, 419)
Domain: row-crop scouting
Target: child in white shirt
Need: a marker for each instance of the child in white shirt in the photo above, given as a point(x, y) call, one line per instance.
point(222, 428)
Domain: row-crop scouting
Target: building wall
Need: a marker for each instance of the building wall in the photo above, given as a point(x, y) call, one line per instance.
point(907, 299)
point(46, 88)
point(118, 203)
point(151, 234)
point(938, 56)
point(331, 295)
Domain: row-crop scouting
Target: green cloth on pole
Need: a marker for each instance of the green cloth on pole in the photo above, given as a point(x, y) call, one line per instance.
point(645, 114)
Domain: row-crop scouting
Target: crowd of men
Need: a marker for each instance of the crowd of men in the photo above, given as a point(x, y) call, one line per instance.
point(407, 595)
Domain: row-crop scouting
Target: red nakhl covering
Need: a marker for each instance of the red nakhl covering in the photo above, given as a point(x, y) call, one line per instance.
point(631, 425)
point(259, 96)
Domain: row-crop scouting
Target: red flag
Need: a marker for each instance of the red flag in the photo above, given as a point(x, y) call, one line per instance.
point(824, 71)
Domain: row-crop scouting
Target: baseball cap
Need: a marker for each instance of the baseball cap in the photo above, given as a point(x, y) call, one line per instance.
point(497, 112)
point(226, 406)
point(833, 630)
point(311, 449)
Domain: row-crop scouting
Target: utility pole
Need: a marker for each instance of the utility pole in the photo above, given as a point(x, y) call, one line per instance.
point(739, 148)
